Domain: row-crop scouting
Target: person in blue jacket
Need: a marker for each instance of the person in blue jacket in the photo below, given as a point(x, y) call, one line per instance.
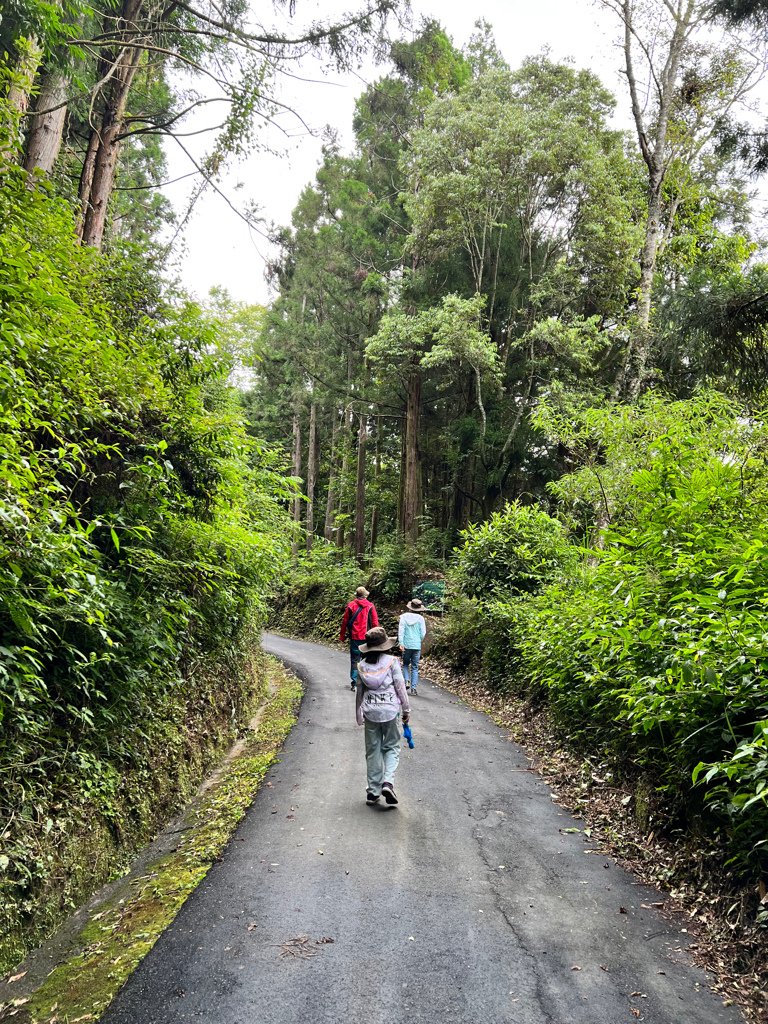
point(411, 631)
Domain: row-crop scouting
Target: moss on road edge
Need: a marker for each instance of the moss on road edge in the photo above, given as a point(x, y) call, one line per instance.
point(115, 940)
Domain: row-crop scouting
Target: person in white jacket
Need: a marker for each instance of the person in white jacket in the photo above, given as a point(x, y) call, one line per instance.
point(379, 700)
point(411, 631)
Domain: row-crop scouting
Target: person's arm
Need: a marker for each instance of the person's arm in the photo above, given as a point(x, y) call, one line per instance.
point(423, 625)
point(359, 703)
point(344, 625)
point(374, 617)
point(400, 632)
point(402, 693)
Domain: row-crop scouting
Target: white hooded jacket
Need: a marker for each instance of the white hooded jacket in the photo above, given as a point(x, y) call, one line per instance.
point(380, 690)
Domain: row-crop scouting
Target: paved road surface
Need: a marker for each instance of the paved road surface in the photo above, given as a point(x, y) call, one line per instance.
point(470, 903)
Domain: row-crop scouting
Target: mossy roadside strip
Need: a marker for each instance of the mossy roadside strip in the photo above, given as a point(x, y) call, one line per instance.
point(119, 936)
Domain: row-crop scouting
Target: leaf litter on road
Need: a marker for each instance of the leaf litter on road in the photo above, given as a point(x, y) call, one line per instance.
point(301, 947)
point(298, 948)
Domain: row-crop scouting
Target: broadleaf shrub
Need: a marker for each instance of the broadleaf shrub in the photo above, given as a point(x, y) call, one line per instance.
point(652, 649)
point(141, 530)
point(314, 592)
point(516, 551)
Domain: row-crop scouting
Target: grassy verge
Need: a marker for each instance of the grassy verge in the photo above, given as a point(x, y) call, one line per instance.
point(117, 938)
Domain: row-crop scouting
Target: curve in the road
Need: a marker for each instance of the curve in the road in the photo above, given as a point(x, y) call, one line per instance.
point(471, 902)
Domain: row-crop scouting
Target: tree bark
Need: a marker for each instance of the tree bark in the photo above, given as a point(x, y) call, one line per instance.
point(330, 505)
point(640, 347)
point(47, 123)
point(296, 470)
point(412, 485)
point(98, 185)
point(376, 475)
point(30, 55)
point(652, 140)
point(311, 475)
point(341, 534)
point(362, 435)
point(105, 160)
point(86, 178)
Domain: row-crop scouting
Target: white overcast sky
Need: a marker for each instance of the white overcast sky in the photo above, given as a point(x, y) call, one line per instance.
point(218, 248)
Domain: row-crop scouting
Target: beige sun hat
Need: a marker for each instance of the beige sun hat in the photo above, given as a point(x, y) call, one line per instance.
point(361, 592)
point(415, 605)
point(376, 639)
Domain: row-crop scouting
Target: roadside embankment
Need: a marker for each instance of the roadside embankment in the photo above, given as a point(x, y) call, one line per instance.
point(106, 940)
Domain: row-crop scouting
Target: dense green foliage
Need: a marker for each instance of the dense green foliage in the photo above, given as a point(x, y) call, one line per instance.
point(501, 326)
point(140, 531)
point(483, 248)
point(654, 649)
point(312, 598)
point(516, 551)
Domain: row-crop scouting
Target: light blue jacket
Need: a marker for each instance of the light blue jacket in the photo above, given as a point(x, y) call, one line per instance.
point(411, 631)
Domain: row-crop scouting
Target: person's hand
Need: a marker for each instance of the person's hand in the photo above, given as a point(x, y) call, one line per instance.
point(406, 718)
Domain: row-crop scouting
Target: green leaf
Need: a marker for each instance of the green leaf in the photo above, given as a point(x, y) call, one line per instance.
point(21, 619)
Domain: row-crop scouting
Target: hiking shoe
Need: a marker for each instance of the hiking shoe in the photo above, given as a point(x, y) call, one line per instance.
point(388, 792)
point(414, 693)
point(353, 686)
point(371, 798)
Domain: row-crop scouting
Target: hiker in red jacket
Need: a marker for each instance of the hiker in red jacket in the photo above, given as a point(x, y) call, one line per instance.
point(359, 617)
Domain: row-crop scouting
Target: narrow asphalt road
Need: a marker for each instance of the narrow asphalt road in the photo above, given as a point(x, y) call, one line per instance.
point(472, 902)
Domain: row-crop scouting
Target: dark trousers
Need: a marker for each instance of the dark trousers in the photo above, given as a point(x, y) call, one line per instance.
point(354, 657)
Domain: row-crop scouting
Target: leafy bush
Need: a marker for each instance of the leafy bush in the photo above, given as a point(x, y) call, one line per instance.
point(653, 650)
point(140, 531)
point(397, 565)
point(659, 651)
point(516, 551)
point(314, 592)
point(480, 638)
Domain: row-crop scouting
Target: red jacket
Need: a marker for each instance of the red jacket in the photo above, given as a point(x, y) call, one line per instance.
point(366, 620)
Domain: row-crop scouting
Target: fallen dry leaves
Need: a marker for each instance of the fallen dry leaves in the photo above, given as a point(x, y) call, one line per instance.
point(298, 947)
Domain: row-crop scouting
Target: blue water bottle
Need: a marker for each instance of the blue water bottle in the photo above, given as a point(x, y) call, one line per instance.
point(408, 735)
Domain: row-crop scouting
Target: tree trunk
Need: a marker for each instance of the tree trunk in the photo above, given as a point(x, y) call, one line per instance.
point(296, 470)
point(376, 475)
point(47, 123)
point(412, 499)
point(652, 131)
point(401, 486)
point(97, 187)
point(311, 475)
point(105, 159)
point(330, 505)
point(637, 365)
point(345, 441)
point(86, 179)
point(24, 72)
point(362, 435)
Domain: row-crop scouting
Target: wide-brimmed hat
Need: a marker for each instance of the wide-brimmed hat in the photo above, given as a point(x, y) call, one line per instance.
point(376, 639)
point(415, 605)
point(361, 592)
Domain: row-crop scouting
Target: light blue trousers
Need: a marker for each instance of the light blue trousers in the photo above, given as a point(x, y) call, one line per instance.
point(382, 753)
point(411, 659)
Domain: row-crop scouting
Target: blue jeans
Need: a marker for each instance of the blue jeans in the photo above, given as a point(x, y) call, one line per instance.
point(354, 657)
point(411, 666)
